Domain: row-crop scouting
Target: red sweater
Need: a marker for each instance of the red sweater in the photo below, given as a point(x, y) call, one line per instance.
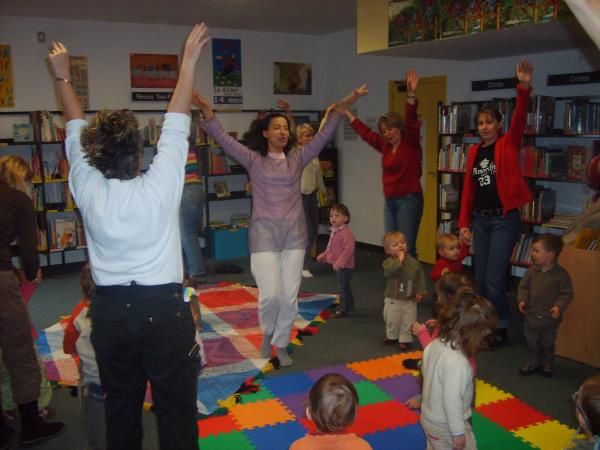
point(512, 188)
point(452, 266)
point(402, 167)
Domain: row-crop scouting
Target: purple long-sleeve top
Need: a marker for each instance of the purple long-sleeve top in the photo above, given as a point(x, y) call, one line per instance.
point(277, 221)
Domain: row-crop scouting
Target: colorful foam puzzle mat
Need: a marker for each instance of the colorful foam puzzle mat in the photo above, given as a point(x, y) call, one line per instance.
point(274, 417)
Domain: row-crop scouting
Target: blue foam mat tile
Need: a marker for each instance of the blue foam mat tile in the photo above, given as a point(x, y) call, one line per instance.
point(410, 437)
point(293, 383)
point(277, 437)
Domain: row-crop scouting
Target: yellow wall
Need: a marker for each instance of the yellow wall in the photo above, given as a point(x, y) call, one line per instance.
point(371, 25)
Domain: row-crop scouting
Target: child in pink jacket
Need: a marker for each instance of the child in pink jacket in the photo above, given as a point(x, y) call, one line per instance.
point(340, 254)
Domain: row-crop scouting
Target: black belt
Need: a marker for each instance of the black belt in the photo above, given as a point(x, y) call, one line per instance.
point(490, 212)
point(160, 289)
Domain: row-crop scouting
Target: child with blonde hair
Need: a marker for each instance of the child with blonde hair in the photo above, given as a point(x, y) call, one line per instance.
point(332, 406)
point(405, 287)
point(340, 254)
point(448, 387)
point(451, 255)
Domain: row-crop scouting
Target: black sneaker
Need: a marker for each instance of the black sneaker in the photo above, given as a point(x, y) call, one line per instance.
point(528, 369)
point(42, 431)
point(412, 364)
point(498, 339)
point(547, 371)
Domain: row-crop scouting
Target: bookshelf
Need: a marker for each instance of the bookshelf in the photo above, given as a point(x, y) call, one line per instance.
point(562, 135)
point(38, 137)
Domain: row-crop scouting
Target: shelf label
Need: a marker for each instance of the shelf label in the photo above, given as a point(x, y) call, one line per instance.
point(491, 85)
point(562, 79)
point(139, 96)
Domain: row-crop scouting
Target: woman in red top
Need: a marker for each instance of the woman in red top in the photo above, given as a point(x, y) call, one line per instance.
point(493, 190)
point(398, 141)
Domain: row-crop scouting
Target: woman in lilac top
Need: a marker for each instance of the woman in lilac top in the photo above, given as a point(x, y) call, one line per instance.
point(277, 235)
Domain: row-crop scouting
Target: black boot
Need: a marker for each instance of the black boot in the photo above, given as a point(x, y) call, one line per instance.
point(6, 434)
point(34, 430)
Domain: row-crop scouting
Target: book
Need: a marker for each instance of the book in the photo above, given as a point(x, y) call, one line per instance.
point(22, 132)
point(221, 189)
point(449, 197)
point(64, 230)
point(578, 156)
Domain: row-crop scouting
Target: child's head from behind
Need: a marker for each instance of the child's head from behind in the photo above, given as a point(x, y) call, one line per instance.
point(448, 246)
point(587, 402)
point(466, 320)
point(332, 403)
point(545, 249)
point(88, 287)
point(394, 241)
point(449, 284)
point(339, 215)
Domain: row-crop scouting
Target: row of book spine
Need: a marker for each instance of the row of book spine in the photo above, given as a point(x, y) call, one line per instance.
point(45, 129)
point(580, 117)
point(541, 208)
point(452, 157)
point(522, 251)
point(543, 162)
point(218, 162)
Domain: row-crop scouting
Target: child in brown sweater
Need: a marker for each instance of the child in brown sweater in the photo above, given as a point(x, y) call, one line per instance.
point(544, 293)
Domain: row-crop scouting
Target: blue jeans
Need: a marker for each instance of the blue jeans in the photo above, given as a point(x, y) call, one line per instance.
point(494, 239)
point(404, 214)
point(190, 216)
point(344, 278)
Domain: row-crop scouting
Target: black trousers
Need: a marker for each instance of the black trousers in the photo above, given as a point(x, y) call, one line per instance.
point(141, 334)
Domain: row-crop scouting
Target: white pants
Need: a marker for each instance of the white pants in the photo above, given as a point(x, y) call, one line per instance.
point(278, 276)
point(399, 315)
point(439, 436)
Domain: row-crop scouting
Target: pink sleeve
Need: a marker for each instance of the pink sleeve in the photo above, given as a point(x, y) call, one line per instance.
point(348, 243)
point(424, 337)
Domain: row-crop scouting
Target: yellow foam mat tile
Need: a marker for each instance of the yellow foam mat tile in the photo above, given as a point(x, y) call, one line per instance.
point(260, 414)
point(389, 366)
point(486, 393)
point(550, 435)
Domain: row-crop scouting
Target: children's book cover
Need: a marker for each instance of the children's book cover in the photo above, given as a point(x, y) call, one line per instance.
point(221, 189)
point(65, 233)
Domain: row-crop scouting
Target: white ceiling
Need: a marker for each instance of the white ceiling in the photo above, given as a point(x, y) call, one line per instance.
point(288, 16)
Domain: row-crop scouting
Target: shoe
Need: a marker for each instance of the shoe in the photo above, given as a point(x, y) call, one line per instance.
point(498, 339)
point(387, 341)
point(403, 346)
point(412, 364)
point(338, 314)
point(547, 371)
point(307, 274)
point(528, 369)
point(284, 357)
point(33, 429)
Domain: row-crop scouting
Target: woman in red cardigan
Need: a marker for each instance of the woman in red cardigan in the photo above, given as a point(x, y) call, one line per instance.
point(493, 190)
point(398, 141)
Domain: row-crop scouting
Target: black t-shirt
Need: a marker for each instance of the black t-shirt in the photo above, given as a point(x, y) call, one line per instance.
point(484, 176)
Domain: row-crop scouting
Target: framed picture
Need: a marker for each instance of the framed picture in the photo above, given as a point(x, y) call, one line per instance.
point(292, 78)
point(153, 71)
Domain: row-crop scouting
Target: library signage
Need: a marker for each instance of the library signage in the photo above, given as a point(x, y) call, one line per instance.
point(491, 85)
point(563, 79)
point(151, 96)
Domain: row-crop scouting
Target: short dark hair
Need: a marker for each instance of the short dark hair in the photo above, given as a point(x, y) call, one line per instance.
point(466, 320)
point(88, 287)
point(254, 136)
point(488, 110)
point(332, 403)
point(112, 143)
point(392, 120)
point(342, 209)
point(551, 242)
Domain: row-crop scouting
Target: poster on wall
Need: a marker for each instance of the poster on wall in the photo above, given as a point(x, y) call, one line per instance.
point(79, 77)
point(153, 71)
point(292, 78)
point(7, 98)
point(227, 72)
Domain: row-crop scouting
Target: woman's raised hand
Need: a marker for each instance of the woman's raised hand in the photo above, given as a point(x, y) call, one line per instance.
point(195, 42)
point(412, 81)
point(203, 104)
point(59, 60)
point(524, 71)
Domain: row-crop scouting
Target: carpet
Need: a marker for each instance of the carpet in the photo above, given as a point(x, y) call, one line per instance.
point(274, 417)
point(231, 339)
